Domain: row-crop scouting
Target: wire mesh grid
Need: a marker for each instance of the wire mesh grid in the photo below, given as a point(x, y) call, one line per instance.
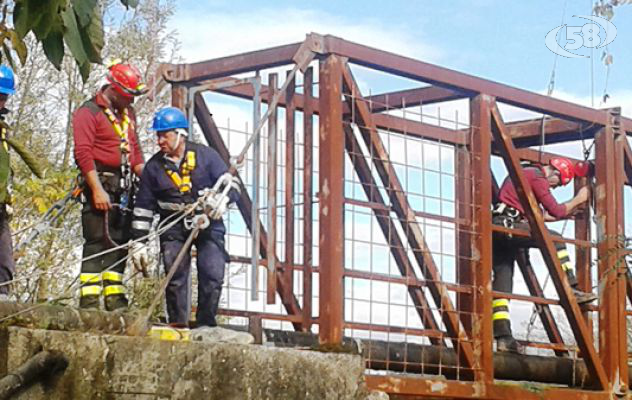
point(401, 221)
point(392, 231)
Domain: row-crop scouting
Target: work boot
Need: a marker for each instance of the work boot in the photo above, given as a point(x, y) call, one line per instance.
point(583, 297)
point(90, 301)
point(115, 302)
point(207, 309)
point(509, 344)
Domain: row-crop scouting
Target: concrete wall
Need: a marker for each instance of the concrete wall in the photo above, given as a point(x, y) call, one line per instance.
point(120, 367)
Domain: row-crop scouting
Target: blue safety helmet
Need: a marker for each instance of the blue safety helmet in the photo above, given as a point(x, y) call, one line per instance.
point(168, 119)
point(7, 80)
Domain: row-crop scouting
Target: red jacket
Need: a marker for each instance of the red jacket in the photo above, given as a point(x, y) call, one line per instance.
point(541, 190)
point(96, 140)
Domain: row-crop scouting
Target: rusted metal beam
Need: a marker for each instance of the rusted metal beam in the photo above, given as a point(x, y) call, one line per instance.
point(401, 386)
point(289, 184)
point(231, 65)
point(526, 233)
point(411, 97)
point(179, 95)
point(331, 198)
point(556, 130)
point(542, 237)
point(421, 71)
point(396, 247)
point(464, 211)
point(214, 139)
point(308, 165)
point(583, 261)
point(407, 217)
point(610, 264)
point(481, 240)
point(411, 127)
point(272, 193)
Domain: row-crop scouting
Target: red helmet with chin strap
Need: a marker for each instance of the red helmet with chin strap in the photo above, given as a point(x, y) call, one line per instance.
point(126, 80)
point(565, 167)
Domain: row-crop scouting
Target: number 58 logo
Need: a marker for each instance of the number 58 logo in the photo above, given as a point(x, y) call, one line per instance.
point(596, 34)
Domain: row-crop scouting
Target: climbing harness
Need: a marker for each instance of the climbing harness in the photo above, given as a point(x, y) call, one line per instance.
point(183, 182)
point(508, 215)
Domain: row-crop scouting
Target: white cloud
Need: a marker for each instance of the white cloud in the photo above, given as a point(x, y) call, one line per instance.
point(234, 33)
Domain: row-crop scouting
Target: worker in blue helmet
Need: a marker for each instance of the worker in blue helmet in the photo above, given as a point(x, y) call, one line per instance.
point(177, 176)
point(7, 264)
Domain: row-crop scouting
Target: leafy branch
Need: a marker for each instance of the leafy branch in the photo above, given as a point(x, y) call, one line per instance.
point(76, 25)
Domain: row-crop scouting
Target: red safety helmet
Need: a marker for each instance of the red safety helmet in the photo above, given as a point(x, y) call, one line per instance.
point(565, 167)
point(126, 80)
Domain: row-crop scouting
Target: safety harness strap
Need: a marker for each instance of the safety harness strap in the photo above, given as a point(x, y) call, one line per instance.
point(183, 180)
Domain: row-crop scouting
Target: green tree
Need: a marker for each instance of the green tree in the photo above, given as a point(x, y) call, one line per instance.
point(42, 107)
point(58, 25)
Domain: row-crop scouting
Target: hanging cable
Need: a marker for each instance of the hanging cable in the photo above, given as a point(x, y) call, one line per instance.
point(549, 92)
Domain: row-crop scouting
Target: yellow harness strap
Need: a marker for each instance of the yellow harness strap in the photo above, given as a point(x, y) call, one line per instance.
point(120, 127)
point(183, 182)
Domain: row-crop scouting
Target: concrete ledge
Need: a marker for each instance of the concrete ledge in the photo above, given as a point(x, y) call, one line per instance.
point(121, 367)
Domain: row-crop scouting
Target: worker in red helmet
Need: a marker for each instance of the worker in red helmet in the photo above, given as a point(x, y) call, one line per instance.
point(107, 152)
point(509, 212)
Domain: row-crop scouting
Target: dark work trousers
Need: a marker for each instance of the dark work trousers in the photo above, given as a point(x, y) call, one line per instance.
point(119, 226)
point(211, 261)
point(7, 265)
point(505, 251)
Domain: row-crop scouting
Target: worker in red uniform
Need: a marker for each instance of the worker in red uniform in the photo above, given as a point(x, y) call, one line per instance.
point(509, 212)
point(107, 153)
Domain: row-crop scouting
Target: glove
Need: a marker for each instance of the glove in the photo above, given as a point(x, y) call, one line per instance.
point(140, 256)
point(218, 205)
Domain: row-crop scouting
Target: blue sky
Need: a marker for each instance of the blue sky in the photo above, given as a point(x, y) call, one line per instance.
point(497, 40)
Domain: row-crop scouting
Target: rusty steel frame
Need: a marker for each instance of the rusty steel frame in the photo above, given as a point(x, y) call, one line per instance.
point(272, 194)
point(340, 108)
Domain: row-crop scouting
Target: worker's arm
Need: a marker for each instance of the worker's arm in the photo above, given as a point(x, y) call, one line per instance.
point(570, 207)
point(582, 196)
point(84, 127)
point(100, 198)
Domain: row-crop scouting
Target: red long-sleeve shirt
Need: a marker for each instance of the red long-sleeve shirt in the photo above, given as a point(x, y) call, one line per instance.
point(541, 190)
point(96, 140)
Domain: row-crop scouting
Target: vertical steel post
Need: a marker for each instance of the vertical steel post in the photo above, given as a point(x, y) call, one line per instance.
point(179, 94)
point(465, 272)
point(272, 192)
point(582, 254)
point(256, 175)
point(608, 194)
point(289, 185)
point(331, 197)
point(480, 121)
point(308, 140)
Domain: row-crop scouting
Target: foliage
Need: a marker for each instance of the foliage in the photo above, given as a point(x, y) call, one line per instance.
point(58, 25)
point(605, 9)
point(42, 108)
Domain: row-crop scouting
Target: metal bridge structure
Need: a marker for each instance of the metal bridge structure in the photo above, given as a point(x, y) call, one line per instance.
point(363, 217)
